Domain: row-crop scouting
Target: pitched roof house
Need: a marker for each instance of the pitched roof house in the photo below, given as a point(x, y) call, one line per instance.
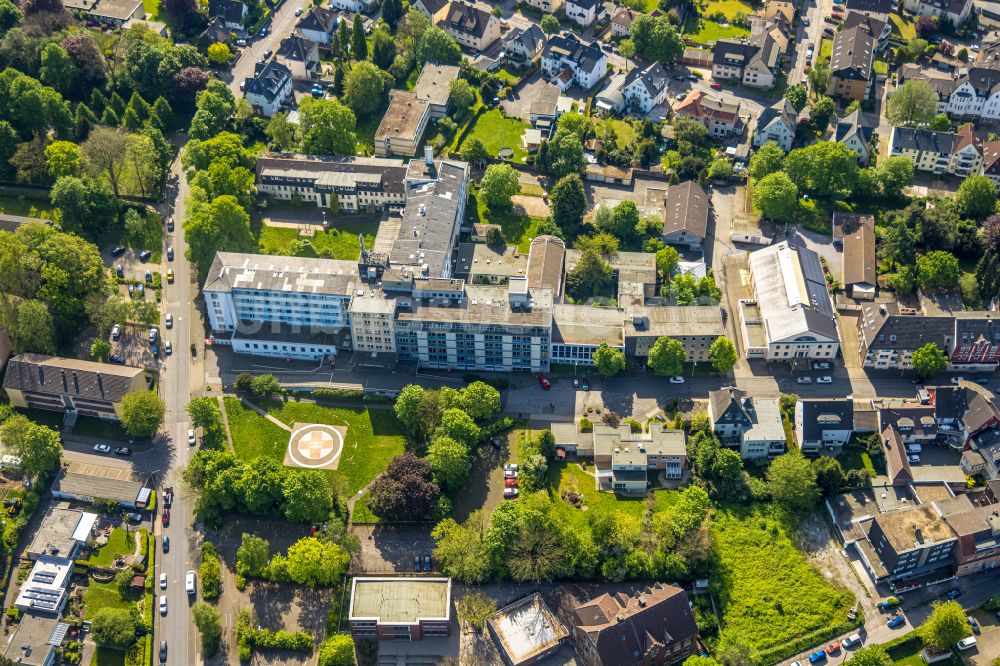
point(299, 55)
point(853, 132)
point(720, 116)
point(232, 12)
point(776, 123)
point(269, 87)
point(823, 423)
point(655, 625)
point(567, 61)
point(851, 72)
point(317, 25)
point(523, 45)
point(888, 337)
point(471, 26)
point(958, 153)
point(752, 423)
point(621, 21)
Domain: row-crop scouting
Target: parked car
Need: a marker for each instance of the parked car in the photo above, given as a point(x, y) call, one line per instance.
point(102, 448)
point(153, 335)
point(123, 451)
point(241, 42)
point(166, 517)
point(825, 379)
point(833, 648)
point(679, 77)
point(166, 544)
point(427, 562)
point(170, 223)
point(117, 358)
point(896, 621)
point(189, 582)
point(117, 250)
point(168, 349)
point(681, 96)
point(817, 656)
point(586, 384)
point(544, 382)
point(116, 331)
point(170, 276)
point(954, 593)
point(163, 652)
point(416, 563)
point(149, 277)
point(163, 581)
point(852, 614)
point(510, 493)
point(803, 380)
point(821, 365)
point(715, 85)
point(145, 255)
point(141, 289)
point(914, 458)
point(974, 623)
point(511, 482)
point(169, 321)
point(852, 641)
point(134, 516)
point(677, 379)
point(955, 380)
point(966, 643)
point(163, 604)
point(119, 271)
point(170, 253)
point(298, 11)
point(191, 438)
point(267, 54)
point(693, 77)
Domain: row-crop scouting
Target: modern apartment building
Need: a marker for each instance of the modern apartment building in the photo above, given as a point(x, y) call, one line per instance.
point(958, 154)
point(346, 183)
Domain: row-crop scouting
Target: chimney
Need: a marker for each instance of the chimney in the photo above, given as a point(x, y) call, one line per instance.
point(429, 155)
point(76, 382)
point(65, 385)
point(100, 384)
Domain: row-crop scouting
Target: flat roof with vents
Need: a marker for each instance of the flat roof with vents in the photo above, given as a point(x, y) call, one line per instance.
point(236, 271)
point(526, 629)
point(34, 640)
point(400, 600)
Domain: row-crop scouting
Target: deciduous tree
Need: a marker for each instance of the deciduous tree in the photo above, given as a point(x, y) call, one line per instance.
point(722, 353)
point(437, 46)
point(449, 460)
point(313, 562)
point(209, 623)
point(945, 626)
point(666, 357)
point(142, 413)
point(929, 360)
point(327, 127)
point(364, 88)
point(499, 184)
point(776, 196)
point(912, 104)
point(976, 197)
point(405, 490)
point(608, 361)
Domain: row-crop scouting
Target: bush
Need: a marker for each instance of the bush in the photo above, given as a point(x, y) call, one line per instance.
point(210, 571)
point(331, 394)
point(114, 627)
point(248, 638)
point(586, 425)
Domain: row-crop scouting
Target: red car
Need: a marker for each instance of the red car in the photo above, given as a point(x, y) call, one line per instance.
point(166, 517)
point(715, 85)
point(510, 483)
point(544, 382)
point(833, 648)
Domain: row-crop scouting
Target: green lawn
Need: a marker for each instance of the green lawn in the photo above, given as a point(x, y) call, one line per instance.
point(365, 130)
point(253, 435)
point(28, 207)
point(374, 436)
point(730, 8)
point(152, 8)
point(115, 547)
point(855, 457)
point(710, 31)
point(903, 27)
point(518, 229)
point(101, 429)
point(907, 653)
point(340, 242)
point(496, 132)
point(572, 477)
point(624, 133)
point(881, 67)
point(825, 50)
point(103, 595)
point(108, 657)
point(771, 598)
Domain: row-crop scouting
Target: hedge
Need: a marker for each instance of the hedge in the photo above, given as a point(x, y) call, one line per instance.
point(210, 571)
point(803, 643)
point(247, 638)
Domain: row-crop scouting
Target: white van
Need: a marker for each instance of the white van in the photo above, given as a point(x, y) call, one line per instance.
point(913, 448)
point(852, 640)
point(966, 643)
point(189, 582)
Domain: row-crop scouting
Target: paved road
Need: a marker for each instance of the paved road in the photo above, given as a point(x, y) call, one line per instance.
point(281, 26)
point(176, 378)
point(814, 11)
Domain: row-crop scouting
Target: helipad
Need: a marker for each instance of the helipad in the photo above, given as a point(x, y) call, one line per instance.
point(315, 446)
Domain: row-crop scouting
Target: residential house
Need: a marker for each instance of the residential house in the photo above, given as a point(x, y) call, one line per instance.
point(579, 330)
point(215, 33)
point(269, 88)
point(777, 28)
point(851, 63)
point(522, 46)
point(653, 626)
point(955, 11)
point(991, 162)
point(957, 154)
point(355, 6)
point(434, 86)
point(880, 27)
point(778, 9)
point(34, 640)
point(776, 123)
point(567, 61)
point(719, 115)
point(232, 12)
point(403, 125)
point(116, 13)
point(871, 7)
point(977, 548)
point(429, 7)
point(526, 631)
point(686, 211)
point(977, 342)
point(623, 459)
point(621, 22)
point(752, 424)
point(585, 12)
point(751, 62)
point(823, 424)
point(299, 55)
point(471, 26)
point(855, 235)
point(791, 315)
point(318, 25)
point(637, 92)
point(853, 132)
point(909, 543)
point(71, 386)
point(548, 6)
point(888, 336)
point(972, 462)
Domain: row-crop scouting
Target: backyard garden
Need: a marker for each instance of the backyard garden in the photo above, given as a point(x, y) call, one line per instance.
point(717, 19)
point(498, 131)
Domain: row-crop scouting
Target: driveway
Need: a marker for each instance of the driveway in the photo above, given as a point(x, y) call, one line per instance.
point(390, 549)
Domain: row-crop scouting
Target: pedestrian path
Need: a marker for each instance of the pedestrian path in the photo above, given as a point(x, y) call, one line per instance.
point(277, 422)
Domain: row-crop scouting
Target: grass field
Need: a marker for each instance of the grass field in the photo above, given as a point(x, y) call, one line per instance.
point(103, 595)
point(903, 26)
point(710, 32)
point(497, 132)
point(374, 436)
point(570, 476)
point(340, 242)
point(108, 657)
point(114, 548)
point(624, 133)
point(28, 207)
point(764, 604)
point(518, 229)
point(253, 435)
point(825, 50)
point(907, 653)
point(854, 457)
point(101, 429)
